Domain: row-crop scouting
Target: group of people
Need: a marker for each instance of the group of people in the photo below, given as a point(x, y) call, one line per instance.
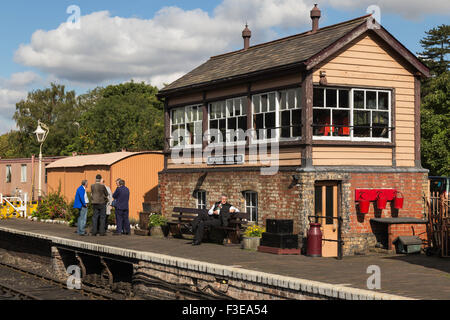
point(103, 200)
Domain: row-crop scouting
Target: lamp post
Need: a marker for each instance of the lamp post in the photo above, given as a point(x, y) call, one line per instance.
point(41, 134)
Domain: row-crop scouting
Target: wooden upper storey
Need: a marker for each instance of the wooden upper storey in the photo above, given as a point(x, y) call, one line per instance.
point(354, 103)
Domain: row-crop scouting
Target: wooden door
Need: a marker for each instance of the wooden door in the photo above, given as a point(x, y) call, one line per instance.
point(326, 205)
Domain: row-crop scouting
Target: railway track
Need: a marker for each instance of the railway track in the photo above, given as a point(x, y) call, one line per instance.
point(21, 284)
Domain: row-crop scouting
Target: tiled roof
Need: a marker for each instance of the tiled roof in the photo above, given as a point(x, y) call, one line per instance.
point(266, 56)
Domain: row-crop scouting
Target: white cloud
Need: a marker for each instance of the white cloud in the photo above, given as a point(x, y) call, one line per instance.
point(159, 50)
point(8, 100)
point(171, 43)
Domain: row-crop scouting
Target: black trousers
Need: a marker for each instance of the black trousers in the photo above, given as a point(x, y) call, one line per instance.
point(99, 219)
point(203, 221)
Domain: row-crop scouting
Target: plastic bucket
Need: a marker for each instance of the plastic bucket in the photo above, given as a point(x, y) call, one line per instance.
point(398, 202)
point(364, 206)
point(381, 201)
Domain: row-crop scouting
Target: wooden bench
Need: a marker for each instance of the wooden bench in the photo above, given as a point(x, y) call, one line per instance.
point(182, 217)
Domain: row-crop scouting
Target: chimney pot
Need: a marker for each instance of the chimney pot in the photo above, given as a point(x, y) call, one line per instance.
point(315, 16)
point(246, 34)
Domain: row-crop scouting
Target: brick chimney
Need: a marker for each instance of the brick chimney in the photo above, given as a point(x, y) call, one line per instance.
point(315, 16)
point(246, 34)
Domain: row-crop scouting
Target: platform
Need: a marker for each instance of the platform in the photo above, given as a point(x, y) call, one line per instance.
point(413, 277)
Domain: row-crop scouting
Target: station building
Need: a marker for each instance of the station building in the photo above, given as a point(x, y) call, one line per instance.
point(343, 104)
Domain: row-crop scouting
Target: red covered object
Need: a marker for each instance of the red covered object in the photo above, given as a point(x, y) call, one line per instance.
point(314, 242)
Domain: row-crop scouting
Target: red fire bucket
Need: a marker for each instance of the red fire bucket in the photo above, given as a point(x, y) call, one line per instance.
point(363, 205)
point(381, 201)
point(398, 201)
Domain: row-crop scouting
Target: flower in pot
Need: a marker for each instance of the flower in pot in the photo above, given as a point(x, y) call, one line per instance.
point(156, 224)
point(252, 237)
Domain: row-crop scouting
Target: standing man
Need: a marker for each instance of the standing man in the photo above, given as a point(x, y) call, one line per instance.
point(108, 205)
point(216, 217)
point(99, 201)
point(81, 203)
point(122, 197)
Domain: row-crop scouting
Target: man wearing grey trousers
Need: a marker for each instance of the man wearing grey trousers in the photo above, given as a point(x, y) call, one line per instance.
point(99, 201)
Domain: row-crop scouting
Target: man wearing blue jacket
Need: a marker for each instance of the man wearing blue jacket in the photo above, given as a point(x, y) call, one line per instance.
point(122, 197)
point(81, 203)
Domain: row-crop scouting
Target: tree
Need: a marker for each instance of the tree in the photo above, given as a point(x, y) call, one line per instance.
point(436, 126)
point(436, 49)
point(54, 106)
point(125, 116)
point(435, 109)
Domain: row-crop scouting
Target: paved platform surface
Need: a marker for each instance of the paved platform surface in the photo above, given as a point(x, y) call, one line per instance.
point(413, 276)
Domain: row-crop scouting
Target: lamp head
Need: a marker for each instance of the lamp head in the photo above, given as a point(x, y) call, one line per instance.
point(40, 133)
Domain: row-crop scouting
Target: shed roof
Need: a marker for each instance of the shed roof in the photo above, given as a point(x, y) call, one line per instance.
point(303, 48)
point(107, 159)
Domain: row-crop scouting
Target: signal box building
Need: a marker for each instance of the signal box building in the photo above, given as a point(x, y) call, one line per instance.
point(343, 105)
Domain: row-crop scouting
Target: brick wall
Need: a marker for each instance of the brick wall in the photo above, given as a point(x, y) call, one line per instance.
point(279, 199)
point(276, 199)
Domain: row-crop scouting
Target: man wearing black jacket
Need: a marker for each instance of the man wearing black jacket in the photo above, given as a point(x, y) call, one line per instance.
point(216, 217)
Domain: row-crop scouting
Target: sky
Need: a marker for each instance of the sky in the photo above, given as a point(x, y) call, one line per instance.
point(159, 41)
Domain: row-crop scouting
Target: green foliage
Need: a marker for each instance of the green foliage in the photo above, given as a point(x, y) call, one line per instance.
point(125, 116)
point(254, 231)
point(52, 207)
point(436, 126)
point(436, 49)
point(157, 220)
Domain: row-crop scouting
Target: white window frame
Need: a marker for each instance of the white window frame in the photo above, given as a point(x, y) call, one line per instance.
point(298, 106)
point(8, 173)
point(187, 121)
point(225, 116)
point(277, 117)
point(254, 206)
point(23, 175)
point(351, 108)
point(200, 203)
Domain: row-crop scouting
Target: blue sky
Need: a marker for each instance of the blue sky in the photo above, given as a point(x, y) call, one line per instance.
point(148, 41)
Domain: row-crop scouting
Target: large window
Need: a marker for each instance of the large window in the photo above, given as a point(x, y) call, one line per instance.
point(228, 117)
point(8, 174)
point(277, 114)
point(351, 114)
point(23, 173)
point(251, 204)
point(188, 122)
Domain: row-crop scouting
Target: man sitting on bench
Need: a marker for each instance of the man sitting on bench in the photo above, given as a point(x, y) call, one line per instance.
point(218, 216)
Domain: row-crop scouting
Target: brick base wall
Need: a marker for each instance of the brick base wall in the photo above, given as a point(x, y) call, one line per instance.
point(280, 198)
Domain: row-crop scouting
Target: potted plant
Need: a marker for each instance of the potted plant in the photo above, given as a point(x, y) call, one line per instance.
point(252, 237)
point(155, 224)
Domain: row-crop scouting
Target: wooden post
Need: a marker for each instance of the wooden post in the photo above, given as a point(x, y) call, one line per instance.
point(307, 118)
point(417, 130)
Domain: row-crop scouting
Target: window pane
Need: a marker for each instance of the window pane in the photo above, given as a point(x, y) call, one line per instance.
point(330, 208)
point(318, 201)
point(270, 123)
point(242, 123)
point(321, 120)
point(299, 97)
point(259, 124)
point(272, 102)
point(362, 123)
point(383, 100)
point(371, 99)
point(285, 124)
point(223, 110)
point(244, 105)
point(297, 123)
point(291, 99)
point(318, 97)
point(358, 99)
point(341, 120)
point(331, 98)
point(380, 125)
point(283, 100)
point(232, 123)
point(264, 103)
point(230, 108)
point(257, 103)
point(237, 107)
point(343, 99)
